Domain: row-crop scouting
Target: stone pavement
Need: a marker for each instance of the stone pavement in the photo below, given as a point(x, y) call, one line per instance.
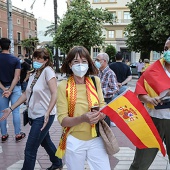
point(12, 153)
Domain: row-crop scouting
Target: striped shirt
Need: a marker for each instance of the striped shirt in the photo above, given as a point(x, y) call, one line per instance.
point(108, 82)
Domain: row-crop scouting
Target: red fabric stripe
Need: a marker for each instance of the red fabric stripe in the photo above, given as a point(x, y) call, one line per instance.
point(156, 77)
point(92, 85)
point(93, 93)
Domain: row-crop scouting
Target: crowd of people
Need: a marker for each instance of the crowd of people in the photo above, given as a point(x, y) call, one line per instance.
point(90, 85)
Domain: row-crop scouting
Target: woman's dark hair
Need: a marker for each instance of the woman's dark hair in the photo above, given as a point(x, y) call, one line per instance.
point(82, 52)
point(44, 54)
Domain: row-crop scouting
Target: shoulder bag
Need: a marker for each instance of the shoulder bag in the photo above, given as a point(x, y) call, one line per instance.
point(103, 130)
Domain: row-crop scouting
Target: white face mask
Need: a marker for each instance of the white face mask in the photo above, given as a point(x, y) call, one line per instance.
point(80, 69)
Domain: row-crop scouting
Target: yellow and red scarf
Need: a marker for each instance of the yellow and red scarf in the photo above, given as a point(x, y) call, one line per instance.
point(71, 93)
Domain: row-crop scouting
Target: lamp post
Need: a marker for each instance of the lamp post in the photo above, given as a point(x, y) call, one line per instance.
point(56, 26)
point(10, 25)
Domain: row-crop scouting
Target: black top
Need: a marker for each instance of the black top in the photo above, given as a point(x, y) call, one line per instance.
point(121, 70)
point(25, 67)
point(28, 61)
point(8, 65)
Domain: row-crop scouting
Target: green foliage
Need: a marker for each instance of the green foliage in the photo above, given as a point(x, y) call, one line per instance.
point(30, 44)
point(150, 25)
point(82, 25)
point(111, 51)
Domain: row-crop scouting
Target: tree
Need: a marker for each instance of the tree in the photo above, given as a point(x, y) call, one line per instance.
point(82, 25)
point(30, 44)
point(111, 51)
point(150, 25)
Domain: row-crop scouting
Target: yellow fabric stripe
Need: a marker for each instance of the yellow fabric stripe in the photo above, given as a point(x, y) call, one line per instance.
point(151, 93)
point(136, 122)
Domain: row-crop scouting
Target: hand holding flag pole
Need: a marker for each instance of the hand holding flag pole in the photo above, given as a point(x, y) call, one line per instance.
point(134, 121)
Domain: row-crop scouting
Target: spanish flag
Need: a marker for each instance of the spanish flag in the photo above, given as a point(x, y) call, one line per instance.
point(133, 120)
point(153, 81)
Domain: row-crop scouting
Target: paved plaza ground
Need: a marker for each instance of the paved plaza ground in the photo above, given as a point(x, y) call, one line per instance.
point(12, 153)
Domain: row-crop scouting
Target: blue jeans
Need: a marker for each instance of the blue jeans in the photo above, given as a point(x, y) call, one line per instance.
point(121, 90)
point(4, 103)
point(24, 86)
point(36, 138)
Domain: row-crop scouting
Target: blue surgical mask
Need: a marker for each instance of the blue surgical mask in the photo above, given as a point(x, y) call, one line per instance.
point(37, 65)
point(21, 61)
point(167, 56)
point(97, 64)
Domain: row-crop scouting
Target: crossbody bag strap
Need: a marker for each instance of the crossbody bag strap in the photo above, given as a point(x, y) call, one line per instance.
point(94, 82)
point(31, 86)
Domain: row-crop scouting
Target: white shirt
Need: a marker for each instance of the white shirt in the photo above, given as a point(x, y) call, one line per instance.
point(41, 95)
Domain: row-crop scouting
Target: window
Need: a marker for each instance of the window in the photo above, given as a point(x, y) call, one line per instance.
point(0, 32)
point(127, 16)
point(29, 25)
point(19, 37)
point(18, 21)
point(111, 34)
point(29, 36)
point(95, 52)
point(156, 55)
point(19, 49)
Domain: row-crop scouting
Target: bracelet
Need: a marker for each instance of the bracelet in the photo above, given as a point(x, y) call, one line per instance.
point(11, 109)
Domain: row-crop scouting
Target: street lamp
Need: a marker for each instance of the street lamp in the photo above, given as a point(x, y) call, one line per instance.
point(10, 25)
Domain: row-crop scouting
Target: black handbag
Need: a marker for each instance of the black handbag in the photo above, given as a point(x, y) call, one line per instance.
point(25, 117)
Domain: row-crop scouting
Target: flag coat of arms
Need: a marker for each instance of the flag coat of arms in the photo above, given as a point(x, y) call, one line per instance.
point(134, 121)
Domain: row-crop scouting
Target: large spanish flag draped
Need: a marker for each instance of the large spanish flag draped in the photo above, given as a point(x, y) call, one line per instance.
point(154, 80)
point(134, 121)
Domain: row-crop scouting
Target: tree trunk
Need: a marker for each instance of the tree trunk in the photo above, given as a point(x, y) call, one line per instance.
point(55, 23)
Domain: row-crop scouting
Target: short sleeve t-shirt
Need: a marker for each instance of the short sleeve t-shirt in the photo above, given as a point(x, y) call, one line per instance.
point(8, 65)
point(121, 70)
point(41, 95)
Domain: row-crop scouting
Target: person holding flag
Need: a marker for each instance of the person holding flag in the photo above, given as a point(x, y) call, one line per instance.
point(152, 87)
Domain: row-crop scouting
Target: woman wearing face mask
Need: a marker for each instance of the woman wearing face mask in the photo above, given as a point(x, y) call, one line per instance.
point(41, 110)
point(76, 97)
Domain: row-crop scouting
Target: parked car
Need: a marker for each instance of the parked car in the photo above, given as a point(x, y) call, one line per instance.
point(133, 69)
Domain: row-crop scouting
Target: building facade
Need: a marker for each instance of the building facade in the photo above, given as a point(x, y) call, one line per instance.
point(115, 34)
point(24, 26)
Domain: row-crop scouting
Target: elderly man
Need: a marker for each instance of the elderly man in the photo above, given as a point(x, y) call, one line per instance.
point(152, 88)
point(107, 77)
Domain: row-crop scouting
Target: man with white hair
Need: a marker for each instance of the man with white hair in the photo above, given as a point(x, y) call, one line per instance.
point(107, 77)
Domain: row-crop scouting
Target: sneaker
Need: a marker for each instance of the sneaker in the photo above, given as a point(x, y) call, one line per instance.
point(4, 138)
point(112, 124)
point(19, 138)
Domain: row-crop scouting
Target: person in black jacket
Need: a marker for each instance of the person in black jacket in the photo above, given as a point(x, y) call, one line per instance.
point(24, 76)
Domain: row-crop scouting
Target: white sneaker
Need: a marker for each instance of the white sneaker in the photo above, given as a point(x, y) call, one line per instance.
point(112, 124)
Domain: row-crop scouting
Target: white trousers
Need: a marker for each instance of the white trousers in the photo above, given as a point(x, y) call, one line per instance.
point(92, 151)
